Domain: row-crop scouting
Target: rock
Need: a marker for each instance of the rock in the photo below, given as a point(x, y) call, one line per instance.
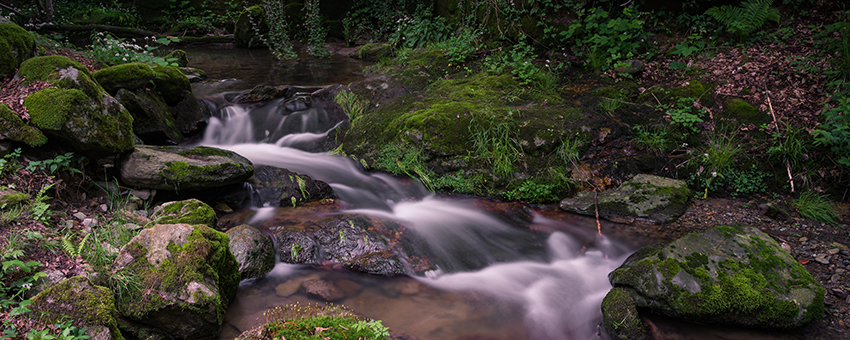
point(372, 52)
point(77, 110)
point(322, 289)
point(249, 26)
point(182, 59)
point(10, 198)
point(91, 307)
point(189, 275)
point(724, 275)
point(16, 45)
point(776, 211)
point(286, 188)
point(193, 74)
point(253, 251)
point(290, 287)
point(183, 168)
point(191, 211)
point(13, 128)
point(262, 93)
point(620, 316)
point(822, 258)
point(632, 67)
point(647, 197)
point(130, 76)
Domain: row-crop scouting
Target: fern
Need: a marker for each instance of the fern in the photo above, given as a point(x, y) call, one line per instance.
point(71, 249)
point(745, 19)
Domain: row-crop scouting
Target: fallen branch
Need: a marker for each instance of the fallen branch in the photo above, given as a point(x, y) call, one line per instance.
point(775, 123)
point(13, 10)
point(92, 27)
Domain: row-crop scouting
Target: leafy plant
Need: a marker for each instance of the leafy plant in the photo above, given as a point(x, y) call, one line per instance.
point(277, 38)
point(460, 46)
point(533, 192)
point(518, 60)
point(111, 50)
point(9, 162)
point(747, 182)
point(610, 105)
point(815, 206)
point(316, 33)
point(351, 104)
point(419, 30)
point(605, 40)
point(835, 130)
point(60, 163)
point(743, 20)
point(496, 144)
point(655, 139)
point(39, 209)
point(70, 248)
point(685, 115)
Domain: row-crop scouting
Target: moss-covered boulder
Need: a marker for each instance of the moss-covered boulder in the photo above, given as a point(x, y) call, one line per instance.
point(13, 128)
point(88, 306)
point(180, 57)
point(16, 45)
point(191, 211)
point(251, 21)
point(253, 251)
point(10, 198)
point(189, 278)
point(130, 76)
point(183, 168)
point(282, 187)
point(740, 112)
point(645, 197)
point(620, 316)
point(78, 112)
point(152, 118)
point(723, 275)
point(373, 52)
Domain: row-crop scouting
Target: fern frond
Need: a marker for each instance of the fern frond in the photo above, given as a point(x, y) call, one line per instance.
point(745, 19)
point(82, 244)
point(68, 246)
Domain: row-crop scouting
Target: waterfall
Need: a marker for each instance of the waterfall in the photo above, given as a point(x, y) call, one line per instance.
point(559, 284)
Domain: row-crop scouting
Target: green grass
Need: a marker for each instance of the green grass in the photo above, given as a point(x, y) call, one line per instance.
point(816, 206)
point(496, 144)
point(329, 322)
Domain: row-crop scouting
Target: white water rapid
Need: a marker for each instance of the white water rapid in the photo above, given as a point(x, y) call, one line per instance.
point(555, 280)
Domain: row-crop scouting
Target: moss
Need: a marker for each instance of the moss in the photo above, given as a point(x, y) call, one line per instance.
point(15, 129)
point(78, 300)
point(16, 45)
point(180, 55)
point(205, 151)
point(177, 173)
point(374, 51)
point(46, 68)
point(12, 199)
point(171, 84)
point(190, 211)
point(50, 108)
point(743, 112)
point(244, 32)
point(129, 76)
point(620, 316)
point(696, 260)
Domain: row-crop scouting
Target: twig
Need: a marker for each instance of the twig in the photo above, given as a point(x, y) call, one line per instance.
point(11, 9)
point(596, 206)
point(787, 164)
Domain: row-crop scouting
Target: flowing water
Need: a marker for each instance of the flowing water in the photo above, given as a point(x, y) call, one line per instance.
point(495, 280)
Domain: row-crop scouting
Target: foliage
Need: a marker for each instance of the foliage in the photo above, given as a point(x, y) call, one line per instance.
point(9, 162)
point(533, 192)
point(816, 206)
point(353, 105)
point(67, 331)
point(39, 209)
point(568, 151)
point(747, 182)
point(372, 20)
point(111, 50)
point(714, 162)
point(316, 33)
point(60, 163)
point(96, 12)
point(745, 19)
point(518, 60)
point(277, 38)
point(320, 322)
point(406, 160)
point(419, 30)
point(835, 130)
point(655, 139)
point(495, 143)
point(790, 148)
point(70, 248)
point(460, 46)
point(606, 41)
point(685, 115)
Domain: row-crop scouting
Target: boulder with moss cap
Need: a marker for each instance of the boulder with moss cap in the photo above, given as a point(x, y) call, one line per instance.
point(16, 45)
point(183, 168)
point(191, 277)
point(13, 128)
point(645, 197)
point(76, 111)
point(191, 211)
point(723, 275)
point(89, 306)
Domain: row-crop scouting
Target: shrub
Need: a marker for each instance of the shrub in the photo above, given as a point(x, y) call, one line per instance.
point(606, 41)
point(745, 19)
point(277, 38)
point(835, 130)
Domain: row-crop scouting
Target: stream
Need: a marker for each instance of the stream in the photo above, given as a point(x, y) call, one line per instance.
point(494, 280)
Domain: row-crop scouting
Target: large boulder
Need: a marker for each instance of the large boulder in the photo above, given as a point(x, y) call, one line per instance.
point(188, 278)
point(16, 45)
point(89, 306)
point(159, 98)
point(77, 111)
point(191, 211)
point(12, 127)
point(253, 251)
point(282, 187)
point(183, 168)
point(723, 275)
point(644, 197)
point(250, 25)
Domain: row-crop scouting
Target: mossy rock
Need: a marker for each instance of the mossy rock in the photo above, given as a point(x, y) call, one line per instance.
point(183, 168)
point(646, 197)
point(253, 251)
point(373, 52)
point(62, 72)
point(670, 96)
point(192, 276)
point(180, 55)
point(251, 21)
point(16, 45)
point(129, 76)
point(88, 306)
point(171, 84)
point(620, 316)
point(724, 275)
point(13, 128)
point(153, 121)
point(10, 198)
point(281, 187)
point(191, 211)
point(743, 113)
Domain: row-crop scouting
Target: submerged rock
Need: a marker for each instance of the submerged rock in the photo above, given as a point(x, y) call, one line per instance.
point(189, 275)
point(253, 251)
point(183, 168)
point(724, 275)
point(646, 197)
point(286, 188)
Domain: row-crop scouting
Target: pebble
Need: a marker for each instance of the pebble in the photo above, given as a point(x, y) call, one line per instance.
point(822, 258)
point(89, 221)
point(103, 208)
point(838, 292)
point(834, 251)
point(80, 216)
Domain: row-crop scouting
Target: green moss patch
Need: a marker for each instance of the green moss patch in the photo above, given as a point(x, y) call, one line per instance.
point(16, 45)
point(50, 108)
point(14, 128)
point(129, 76)
point(80, 301)
point(46, 68)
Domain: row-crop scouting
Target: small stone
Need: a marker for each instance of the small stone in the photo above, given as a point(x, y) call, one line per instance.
point(804, 239)
point(103, 208)
point(80, 216)
point(89, 222)
point(822, 258)
point(839, 293)
point(287, 288)
point(833, 251)
point(322, 289)
point(143, 194)
point(785, 247)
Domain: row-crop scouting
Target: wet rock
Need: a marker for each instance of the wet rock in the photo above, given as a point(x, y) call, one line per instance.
point(253, 251)
point(262, 93)
point(290, 287)
point(282, 187)
point(183, 168)
point(322, 289)
point(646, 197)
point(620, 316)
point(776, 211)
point(724, 275)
